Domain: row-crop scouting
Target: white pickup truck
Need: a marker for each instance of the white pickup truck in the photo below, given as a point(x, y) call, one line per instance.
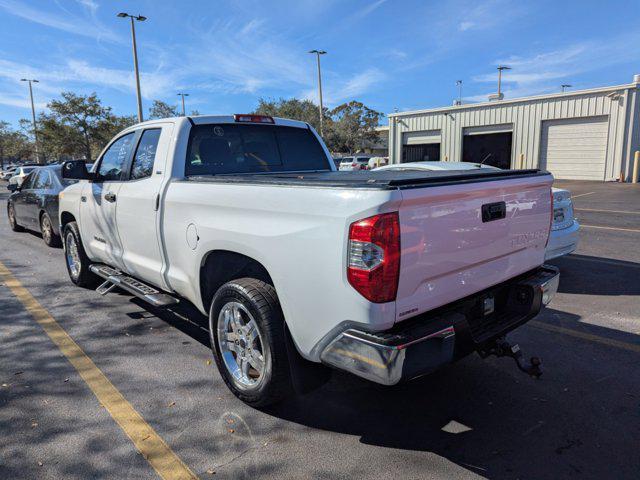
point(384, 275)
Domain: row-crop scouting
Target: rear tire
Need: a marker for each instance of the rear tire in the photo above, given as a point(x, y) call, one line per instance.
point(48, 235)
point(13, 222)
point(76, 259)
point(247, 333)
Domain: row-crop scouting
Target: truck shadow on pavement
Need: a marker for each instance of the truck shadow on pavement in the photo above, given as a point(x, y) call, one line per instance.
point(587, 275)
point(487, 417)
point(484, 415)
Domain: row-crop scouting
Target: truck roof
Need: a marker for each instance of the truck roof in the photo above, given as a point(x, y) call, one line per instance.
point(205, 119)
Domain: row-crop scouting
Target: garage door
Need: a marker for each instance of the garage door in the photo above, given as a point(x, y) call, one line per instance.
point(575, 149)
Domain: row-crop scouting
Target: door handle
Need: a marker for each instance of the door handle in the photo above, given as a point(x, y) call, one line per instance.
point(110, 197)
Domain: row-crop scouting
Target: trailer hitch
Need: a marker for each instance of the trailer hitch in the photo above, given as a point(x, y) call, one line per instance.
point(501, 348)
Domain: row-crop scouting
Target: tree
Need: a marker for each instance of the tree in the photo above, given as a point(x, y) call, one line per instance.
point(160, 109)
point(14, 145)
point(353, 123)
point(78, 126)
point(303, 110)
point(345, 127)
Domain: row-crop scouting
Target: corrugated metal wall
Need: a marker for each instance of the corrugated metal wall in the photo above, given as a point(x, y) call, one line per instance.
point(526, 117)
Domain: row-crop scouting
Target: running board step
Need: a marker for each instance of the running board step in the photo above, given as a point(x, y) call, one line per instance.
point(135, 287)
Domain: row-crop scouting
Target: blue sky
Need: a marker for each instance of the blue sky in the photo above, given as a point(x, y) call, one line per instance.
point(386, 53)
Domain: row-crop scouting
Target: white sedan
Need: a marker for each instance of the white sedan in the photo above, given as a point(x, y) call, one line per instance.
point(564, 229)
point(19, 175)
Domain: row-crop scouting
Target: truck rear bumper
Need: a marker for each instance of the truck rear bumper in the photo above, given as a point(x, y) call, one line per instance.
point(424, 343)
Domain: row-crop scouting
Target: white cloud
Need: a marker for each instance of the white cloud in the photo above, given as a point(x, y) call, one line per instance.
point(67, 22)
point(225, 56)
point(20, 101)
point(252, 26)
point(239, 55)
point(486, 14)
point(337, 90)
point(369, 8)
point(56, 78)
point(543, 72)
point(466, 25)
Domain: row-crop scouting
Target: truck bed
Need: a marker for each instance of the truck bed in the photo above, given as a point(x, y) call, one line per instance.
point(383, 180)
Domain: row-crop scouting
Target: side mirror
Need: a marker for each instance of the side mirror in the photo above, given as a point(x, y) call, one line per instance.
point(12, 187)
point(76, 170)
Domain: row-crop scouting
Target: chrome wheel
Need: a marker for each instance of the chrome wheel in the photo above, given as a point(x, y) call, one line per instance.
point(45, 227)
point(241, 345)
point(72, 256)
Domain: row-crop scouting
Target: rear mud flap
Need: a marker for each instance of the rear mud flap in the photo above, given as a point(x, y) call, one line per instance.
point(306, 376)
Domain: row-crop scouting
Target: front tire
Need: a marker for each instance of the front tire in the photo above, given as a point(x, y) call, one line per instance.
point(247, 332)
point(76, 259)
point(13, 222)
point(46, 227)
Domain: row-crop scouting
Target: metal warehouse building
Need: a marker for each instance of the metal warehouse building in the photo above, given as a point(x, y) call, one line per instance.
point(587, 134)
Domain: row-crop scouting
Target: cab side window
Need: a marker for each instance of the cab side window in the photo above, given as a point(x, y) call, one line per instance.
point(115, 158)
point(29, 180)
point(142, 166)
point(41, 180)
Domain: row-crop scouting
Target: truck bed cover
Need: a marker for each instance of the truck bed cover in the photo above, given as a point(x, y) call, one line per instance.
point(383, 180)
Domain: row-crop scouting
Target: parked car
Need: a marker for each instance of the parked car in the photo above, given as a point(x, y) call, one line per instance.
point(564, 230)
point(8, 173)
point(33, 205)
point(565, 227)
point(354, 163)
point(387, 276)
point(376, 162)
point(20, 174)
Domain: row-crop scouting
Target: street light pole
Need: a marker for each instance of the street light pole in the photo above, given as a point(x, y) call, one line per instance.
point(565, 85)
point(500, 69)
point(183, 95)
point(321, 110)
point(33, 116)
point(459, 84)
point(140, 18)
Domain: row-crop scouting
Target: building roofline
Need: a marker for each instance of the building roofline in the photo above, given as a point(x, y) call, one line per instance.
point(626, 86)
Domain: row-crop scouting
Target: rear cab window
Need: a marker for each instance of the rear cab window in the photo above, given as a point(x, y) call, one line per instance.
point(246, 148)
point(145, 155)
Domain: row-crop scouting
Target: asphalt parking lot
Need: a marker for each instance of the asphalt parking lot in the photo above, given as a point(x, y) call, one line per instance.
point(476, 418)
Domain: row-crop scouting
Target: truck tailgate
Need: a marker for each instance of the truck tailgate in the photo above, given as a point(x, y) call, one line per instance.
point(457, 240)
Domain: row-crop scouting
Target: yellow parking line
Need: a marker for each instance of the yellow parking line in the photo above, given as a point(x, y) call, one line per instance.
point(144, 437)
point(627, 212)
point(631, 347)
point(581, 194)
point(611, 228)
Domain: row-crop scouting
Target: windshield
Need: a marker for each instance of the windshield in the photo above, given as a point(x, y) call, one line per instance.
point(246, 148)
point(27, 169)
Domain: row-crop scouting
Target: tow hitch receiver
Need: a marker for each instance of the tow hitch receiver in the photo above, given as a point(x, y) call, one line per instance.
point(501, 348)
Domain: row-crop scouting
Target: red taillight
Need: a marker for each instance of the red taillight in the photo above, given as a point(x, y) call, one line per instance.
point(253, 118)
point(373, 263)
